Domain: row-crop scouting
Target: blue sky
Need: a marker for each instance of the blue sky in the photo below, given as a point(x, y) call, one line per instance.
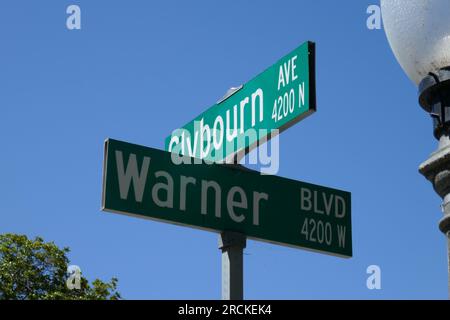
point(139, 69)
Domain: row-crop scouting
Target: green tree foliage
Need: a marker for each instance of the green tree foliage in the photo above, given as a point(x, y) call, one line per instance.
point(34, 269)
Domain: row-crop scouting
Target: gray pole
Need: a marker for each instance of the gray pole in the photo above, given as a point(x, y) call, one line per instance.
point(437, 170)
point(232, 245)
point(448, 252)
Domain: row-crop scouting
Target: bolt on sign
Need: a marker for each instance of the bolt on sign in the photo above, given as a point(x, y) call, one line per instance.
point(270, 103)
point(144, 182)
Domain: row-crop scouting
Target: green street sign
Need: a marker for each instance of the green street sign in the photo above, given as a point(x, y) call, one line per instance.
point(145, 182)
point(270, 103)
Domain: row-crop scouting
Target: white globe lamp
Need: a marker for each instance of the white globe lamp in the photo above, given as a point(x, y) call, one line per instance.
point(418, 32)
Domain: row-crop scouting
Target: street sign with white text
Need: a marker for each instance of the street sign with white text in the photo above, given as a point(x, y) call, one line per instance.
point(144, 182)
point(270, 103)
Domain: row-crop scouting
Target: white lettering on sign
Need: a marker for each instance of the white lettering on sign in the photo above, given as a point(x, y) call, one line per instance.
point(232, 203)
point(184, 182)
point(258, 94)
point(288, 101)
point(206, 138)
point(257, 197)
point(167, 187)
point(322, 203)
point(341, 235)
point(131, 174)
point(217, 133)
point(287, 72)
point(317, 229)
point(239, 204)
point(218, 191)
point(301, 93)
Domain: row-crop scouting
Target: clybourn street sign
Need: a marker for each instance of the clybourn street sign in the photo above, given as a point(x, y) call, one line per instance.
point(270, 103)
point(144, 182)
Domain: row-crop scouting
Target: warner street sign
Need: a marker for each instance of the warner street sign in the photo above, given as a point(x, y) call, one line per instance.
point(273, 101)
point(144, 182)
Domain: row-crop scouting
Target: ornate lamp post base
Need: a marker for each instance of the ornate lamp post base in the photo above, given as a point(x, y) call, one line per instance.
point(437, 170)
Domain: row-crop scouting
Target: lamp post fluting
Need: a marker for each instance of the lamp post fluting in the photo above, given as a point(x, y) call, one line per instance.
point(419, 35)
point(434, 97)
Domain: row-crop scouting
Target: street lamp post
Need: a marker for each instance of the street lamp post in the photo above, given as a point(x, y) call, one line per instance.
point(419, 34)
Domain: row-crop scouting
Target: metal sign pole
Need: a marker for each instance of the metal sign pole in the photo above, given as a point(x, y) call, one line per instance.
point(232, 245)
